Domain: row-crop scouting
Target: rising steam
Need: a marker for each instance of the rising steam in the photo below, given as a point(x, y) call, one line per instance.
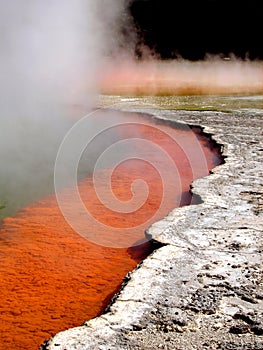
point(51, 53)
point(56, 56)
point(212, 76)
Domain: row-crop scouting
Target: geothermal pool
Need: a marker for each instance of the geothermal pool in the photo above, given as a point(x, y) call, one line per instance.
point(53, 278)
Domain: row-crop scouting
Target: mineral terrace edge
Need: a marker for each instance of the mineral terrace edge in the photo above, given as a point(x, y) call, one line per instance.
point(203, 288)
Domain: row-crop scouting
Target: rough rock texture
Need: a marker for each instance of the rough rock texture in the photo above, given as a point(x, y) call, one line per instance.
point(203, 288)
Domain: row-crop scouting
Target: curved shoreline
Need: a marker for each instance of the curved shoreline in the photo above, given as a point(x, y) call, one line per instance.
point(202, 288)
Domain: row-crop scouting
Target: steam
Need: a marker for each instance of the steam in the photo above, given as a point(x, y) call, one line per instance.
point(56, 57)
point(213, 76)
point(51, 52)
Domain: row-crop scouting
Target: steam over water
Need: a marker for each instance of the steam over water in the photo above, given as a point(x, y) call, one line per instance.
point(56, 56)
point(50, 55)
point(213, 76)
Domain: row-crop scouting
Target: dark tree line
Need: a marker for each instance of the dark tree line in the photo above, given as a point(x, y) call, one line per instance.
point(194, 28)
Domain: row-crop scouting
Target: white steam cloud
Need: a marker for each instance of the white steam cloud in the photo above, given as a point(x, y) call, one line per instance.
point(51, 52)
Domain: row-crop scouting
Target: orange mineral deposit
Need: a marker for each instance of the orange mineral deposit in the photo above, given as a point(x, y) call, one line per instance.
point(51, 277)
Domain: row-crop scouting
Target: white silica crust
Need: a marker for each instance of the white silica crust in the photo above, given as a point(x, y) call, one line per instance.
point(203, 289)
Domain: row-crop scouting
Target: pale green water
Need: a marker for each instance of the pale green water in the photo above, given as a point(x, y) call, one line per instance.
point(189, 103)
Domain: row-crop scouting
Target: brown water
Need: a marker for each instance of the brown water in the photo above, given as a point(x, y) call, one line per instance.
point(52, 278)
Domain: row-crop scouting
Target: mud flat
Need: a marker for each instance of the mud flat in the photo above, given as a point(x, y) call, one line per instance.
point(203, 288)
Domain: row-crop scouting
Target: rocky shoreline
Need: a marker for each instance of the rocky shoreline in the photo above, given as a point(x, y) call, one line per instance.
point(203, 288)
